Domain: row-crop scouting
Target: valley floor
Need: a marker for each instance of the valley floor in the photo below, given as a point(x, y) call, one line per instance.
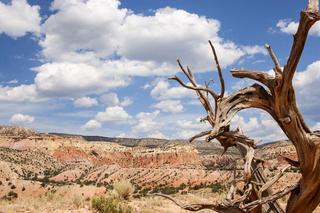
point(56, 173)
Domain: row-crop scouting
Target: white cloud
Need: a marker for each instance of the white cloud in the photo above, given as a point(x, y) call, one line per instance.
point(156, 134)
point(290, 27)
point(113, 114)
point(306, 84)
point(18, 18)
point(68, 79)
point(251, 50)
point(85, 102)
point(91, 125)
point(146, 122)
point(127, 101)
point(186, 134)
point(187, 128)
point(88, 52)
point(14, 81)
point(172, 106)
point(261, 127)
point(188, 124)
point(162, 91)
point(316, 127)
point(146, 86)
point(110, 99)
point(21, 118)
point(308, 79)
point(21, 93)
point(83, 25)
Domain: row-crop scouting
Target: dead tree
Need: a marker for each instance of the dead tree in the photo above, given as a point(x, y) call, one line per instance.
point(275, 95)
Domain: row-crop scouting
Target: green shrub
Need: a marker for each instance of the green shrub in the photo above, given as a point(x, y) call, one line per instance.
point(168, 190)
point(109, 205)
point(123, 188)
point(144, 191)
point(217, 187)
point(10, 196)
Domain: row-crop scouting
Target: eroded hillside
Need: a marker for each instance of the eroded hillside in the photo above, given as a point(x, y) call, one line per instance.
point(34, 165)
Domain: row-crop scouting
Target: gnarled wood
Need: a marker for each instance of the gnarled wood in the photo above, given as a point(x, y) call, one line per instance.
point(276, 96)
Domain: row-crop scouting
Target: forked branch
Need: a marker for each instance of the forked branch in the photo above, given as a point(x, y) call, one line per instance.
point(196, 88)
point(279, 100)
point(234, 206)
point(307, 19)
point(277, 69)
point(272, 181)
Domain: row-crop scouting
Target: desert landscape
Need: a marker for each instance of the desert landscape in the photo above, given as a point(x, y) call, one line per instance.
point(127, 106)
point(64, 173)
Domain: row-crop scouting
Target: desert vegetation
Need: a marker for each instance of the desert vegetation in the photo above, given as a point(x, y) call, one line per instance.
point(72, 177)
point(60, 172)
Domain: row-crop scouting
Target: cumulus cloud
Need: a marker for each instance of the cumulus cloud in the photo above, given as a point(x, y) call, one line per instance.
point(316, 127)
point(102, 35)
point(190, 124)
point(290, 27)
point(88, 52)
point(85, 102)
point(127, 101)
point(21, 119)
point(110, 99)
point(146, 122)
point(69, 79)
point(162, 90)
point(112, 114)
point(172, 106)
point(188, 128)
point(186, 134)
point(91, 125)
point(156, 134)
point(261, 127)
point(19, 18)
point(21, 93)
point(306, 84)
point(14, 81)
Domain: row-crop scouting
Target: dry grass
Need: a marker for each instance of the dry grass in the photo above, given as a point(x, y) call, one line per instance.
point(51, 202)
point(123, 188)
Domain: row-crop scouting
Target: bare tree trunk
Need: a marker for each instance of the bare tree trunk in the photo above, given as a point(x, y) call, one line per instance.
point(275, 95)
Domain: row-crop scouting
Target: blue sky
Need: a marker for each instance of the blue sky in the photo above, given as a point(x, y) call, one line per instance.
point(100, 67)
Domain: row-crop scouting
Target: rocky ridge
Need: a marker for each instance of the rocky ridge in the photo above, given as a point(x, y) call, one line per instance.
point(88, 165)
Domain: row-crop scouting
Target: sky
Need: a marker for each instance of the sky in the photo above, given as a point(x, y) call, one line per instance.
point(101, 67)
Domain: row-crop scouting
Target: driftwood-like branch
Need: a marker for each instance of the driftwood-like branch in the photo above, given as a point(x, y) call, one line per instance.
point(275, 95)
point(214, 95)
point(272, 181)
point(307, 19)
point(234, 206)
point(221, 208)
point(219, 70)
point(203, 99)
point(264, 78)
point(248, 207)
point(201, 134)
point(313, 6)
point(291, 162)
point(277, 68)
